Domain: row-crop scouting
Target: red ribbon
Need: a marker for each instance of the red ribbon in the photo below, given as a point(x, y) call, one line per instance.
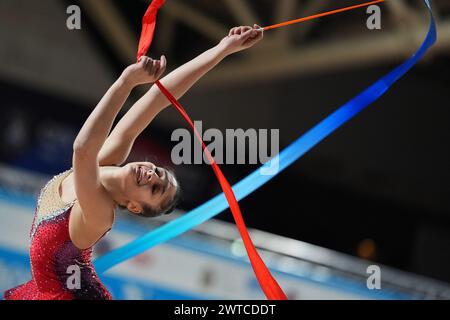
point(148, 27)
point(268, 284)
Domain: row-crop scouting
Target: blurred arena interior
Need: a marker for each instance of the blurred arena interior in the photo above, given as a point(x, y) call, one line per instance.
point(375, 193)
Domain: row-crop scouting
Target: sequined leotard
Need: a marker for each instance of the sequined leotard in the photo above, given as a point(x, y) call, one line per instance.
point(55, 260)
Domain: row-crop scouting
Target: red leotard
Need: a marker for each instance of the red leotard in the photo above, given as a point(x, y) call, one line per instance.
point(54, 257)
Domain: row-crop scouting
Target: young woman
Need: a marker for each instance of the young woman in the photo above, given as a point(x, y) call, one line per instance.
point(77, 208)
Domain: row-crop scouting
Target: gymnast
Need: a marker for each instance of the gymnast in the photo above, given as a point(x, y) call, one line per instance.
point(77, 208)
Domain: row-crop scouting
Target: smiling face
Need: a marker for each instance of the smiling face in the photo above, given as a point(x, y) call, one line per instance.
point(150, 190)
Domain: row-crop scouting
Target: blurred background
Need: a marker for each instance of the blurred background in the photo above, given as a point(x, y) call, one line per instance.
point(374, 193)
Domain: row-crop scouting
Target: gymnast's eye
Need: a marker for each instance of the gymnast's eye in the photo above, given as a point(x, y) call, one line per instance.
point(155, 189)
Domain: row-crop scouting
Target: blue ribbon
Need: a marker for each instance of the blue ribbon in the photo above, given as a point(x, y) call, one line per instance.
point(287, 157)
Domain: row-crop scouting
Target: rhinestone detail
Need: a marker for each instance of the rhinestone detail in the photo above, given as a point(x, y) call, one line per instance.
point(50, 195)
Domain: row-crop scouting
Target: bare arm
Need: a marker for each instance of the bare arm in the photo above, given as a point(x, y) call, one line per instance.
point(118, 146)
point(94, 132)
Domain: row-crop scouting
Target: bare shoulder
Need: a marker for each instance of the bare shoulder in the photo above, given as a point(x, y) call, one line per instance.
point(86, 230)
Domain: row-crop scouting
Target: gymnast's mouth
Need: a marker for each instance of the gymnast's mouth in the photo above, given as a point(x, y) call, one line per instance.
point(144, 174)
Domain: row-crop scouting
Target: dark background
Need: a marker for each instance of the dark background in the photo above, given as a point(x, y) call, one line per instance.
point(377, 188)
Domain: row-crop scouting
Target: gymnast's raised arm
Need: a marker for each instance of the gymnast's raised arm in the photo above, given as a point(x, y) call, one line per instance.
point(118, 145)
point(94, 132)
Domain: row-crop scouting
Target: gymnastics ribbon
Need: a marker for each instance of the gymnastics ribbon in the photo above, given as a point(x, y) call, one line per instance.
point(148, 27)
point(268, 284)
point(286, 158)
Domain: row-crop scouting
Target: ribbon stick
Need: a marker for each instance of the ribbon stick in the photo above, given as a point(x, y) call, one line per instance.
point(320, 15)
point(255, 180)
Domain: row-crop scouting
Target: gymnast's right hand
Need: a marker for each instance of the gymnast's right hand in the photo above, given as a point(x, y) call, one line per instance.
point(146, 70)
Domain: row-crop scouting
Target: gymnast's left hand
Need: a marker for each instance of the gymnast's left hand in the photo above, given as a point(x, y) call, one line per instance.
point(146, 70)
point(242, 38)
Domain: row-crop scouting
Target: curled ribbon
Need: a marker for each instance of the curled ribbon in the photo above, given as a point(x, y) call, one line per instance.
point(255, 180)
